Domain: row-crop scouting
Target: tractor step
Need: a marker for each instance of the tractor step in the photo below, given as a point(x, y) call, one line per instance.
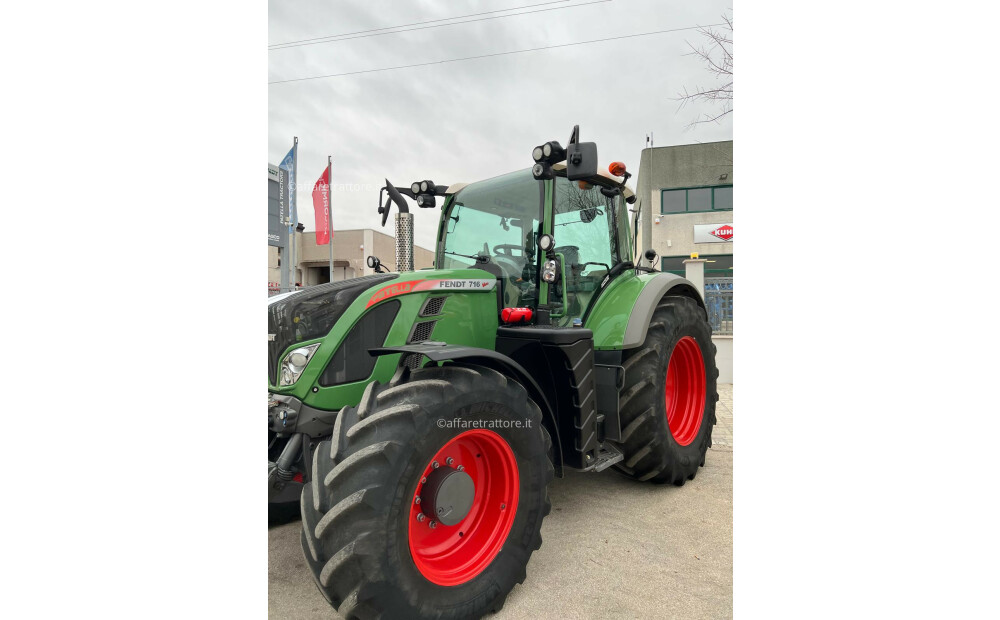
point(608, 456)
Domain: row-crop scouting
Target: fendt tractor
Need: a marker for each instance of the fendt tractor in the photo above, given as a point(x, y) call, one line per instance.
point(419, 416)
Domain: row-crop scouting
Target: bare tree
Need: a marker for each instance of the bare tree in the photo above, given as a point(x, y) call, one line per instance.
point(717, 54)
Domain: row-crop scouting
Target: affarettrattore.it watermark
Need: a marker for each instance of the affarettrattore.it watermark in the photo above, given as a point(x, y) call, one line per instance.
point(460, 423)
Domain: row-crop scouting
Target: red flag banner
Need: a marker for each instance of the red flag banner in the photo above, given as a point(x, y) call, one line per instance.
point(321, 206)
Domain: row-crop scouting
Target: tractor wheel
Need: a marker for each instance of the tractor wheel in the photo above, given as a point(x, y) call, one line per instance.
point(429, 497)
point(668, 399)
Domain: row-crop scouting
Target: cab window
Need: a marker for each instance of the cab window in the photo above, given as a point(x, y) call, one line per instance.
point(585, 231)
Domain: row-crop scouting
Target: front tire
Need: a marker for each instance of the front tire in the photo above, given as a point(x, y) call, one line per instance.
point(669, 395)
point(370, 552)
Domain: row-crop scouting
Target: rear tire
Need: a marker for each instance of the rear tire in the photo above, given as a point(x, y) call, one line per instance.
point(369, 554)
point(669, 395)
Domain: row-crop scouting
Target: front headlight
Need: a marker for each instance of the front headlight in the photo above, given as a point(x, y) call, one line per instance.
point(295, 362)
point(549, 271)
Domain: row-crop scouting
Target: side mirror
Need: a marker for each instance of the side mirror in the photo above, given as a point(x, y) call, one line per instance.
point(581, 157)
point(581, 160)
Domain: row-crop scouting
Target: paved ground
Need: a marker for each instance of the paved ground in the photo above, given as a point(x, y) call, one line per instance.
point(613, 548)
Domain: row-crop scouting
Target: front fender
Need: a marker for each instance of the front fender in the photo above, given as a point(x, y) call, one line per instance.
point(440, 352)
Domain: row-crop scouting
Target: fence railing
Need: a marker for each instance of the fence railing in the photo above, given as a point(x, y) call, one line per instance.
point(719, 302)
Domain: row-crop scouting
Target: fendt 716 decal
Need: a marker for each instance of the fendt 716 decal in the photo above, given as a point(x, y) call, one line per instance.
point(401, 288)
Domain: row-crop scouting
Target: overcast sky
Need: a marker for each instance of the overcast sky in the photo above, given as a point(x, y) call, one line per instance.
point(471, 120)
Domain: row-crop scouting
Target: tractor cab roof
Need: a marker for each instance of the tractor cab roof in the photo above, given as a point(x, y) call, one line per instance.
point(454, 188)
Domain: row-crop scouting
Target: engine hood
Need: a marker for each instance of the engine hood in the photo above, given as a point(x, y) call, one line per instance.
point(311, 313)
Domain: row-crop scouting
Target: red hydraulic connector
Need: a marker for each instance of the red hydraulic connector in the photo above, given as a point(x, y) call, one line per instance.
point(515, 315)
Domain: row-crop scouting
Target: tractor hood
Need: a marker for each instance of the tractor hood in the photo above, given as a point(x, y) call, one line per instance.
point(311, 313)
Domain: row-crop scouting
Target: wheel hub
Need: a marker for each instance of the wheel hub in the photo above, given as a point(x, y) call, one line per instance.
point(447, 495)
point(463, 507)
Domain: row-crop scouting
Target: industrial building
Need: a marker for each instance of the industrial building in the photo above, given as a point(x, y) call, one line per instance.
point(351, 249)
point(686, 203)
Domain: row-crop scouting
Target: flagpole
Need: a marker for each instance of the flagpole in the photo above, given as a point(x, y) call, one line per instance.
point(295, 209)
point(329, 207)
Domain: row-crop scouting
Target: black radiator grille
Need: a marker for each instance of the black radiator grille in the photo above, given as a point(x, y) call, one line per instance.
point(433, 306)
point(422, 331)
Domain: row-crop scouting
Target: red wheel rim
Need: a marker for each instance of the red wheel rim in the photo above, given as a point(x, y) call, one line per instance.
point(452, 555)
point(685, 390)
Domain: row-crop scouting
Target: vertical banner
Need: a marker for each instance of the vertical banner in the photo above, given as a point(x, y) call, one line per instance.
point(321, 207)
point(288, 165)
point(277, 230)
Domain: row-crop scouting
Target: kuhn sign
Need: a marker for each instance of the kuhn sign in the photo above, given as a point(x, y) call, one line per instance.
point(713, 233)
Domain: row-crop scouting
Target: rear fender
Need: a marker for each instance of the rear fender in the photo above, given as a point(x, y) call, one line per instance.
point(620, 316)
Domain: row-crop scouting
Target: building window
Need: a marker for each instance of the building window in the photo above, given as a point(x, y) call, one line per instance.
point(723, 200)
point(696, 199)
point(674, 201)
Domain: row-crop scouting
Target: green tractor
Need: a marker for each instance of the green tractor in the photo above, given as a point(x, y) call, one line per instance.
point(419, 416)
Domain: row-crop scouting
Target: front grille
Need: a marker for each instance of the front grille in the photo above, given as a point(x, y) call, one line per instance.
point(352, 361)
point(422, 331)
point(433, 306)
point(413, 361)
point(312, 313)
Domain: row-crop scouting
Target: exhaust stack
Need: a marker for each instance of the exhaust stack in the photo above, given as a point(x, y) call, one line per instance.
point(421, 191)
point(404, 242)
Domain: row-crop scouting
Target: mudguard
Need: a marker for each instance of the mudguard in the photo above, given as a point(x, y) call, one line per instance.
point(621, 315)
point(440, 352)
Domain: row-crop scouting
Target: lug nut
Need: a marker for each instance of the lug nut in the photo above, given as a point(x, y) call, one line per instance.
point(420, 516)
point(423, 480)
point(416, 501)
point(433, 524)
point(450, 460)
point(435, 465)
point(461, 468)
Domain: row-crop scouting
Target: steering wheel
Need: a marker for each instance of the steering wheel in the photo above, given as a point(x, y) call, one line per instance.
point(508, 250)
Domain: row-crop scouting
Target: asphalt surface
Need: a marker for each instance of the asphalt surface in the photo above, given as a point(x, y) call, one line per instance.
point(612, 548)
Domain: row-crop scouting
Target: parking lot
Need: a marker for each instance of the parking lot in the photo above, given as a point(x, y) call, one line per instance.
point(612, 548)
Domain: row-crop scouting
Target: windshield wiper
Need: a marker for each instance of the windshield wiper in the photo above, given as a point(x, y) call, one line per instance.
point(479, 258)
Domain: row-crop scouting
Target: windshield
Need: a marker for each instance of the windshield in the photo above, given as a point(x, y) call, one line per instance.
point(492, 225)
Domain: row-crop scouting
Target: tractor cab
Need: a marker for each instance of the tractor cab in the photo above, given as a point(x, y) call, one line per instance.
point(553, 236)
point(495, 225)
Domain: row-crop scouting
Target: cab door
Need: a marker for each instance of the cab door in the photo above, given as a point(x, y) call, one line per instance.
point(585, 225)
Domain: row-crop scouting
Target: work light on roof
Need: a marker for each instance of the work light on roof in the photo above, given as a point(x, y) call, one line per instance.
point(549, 153)
point(542, 171)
